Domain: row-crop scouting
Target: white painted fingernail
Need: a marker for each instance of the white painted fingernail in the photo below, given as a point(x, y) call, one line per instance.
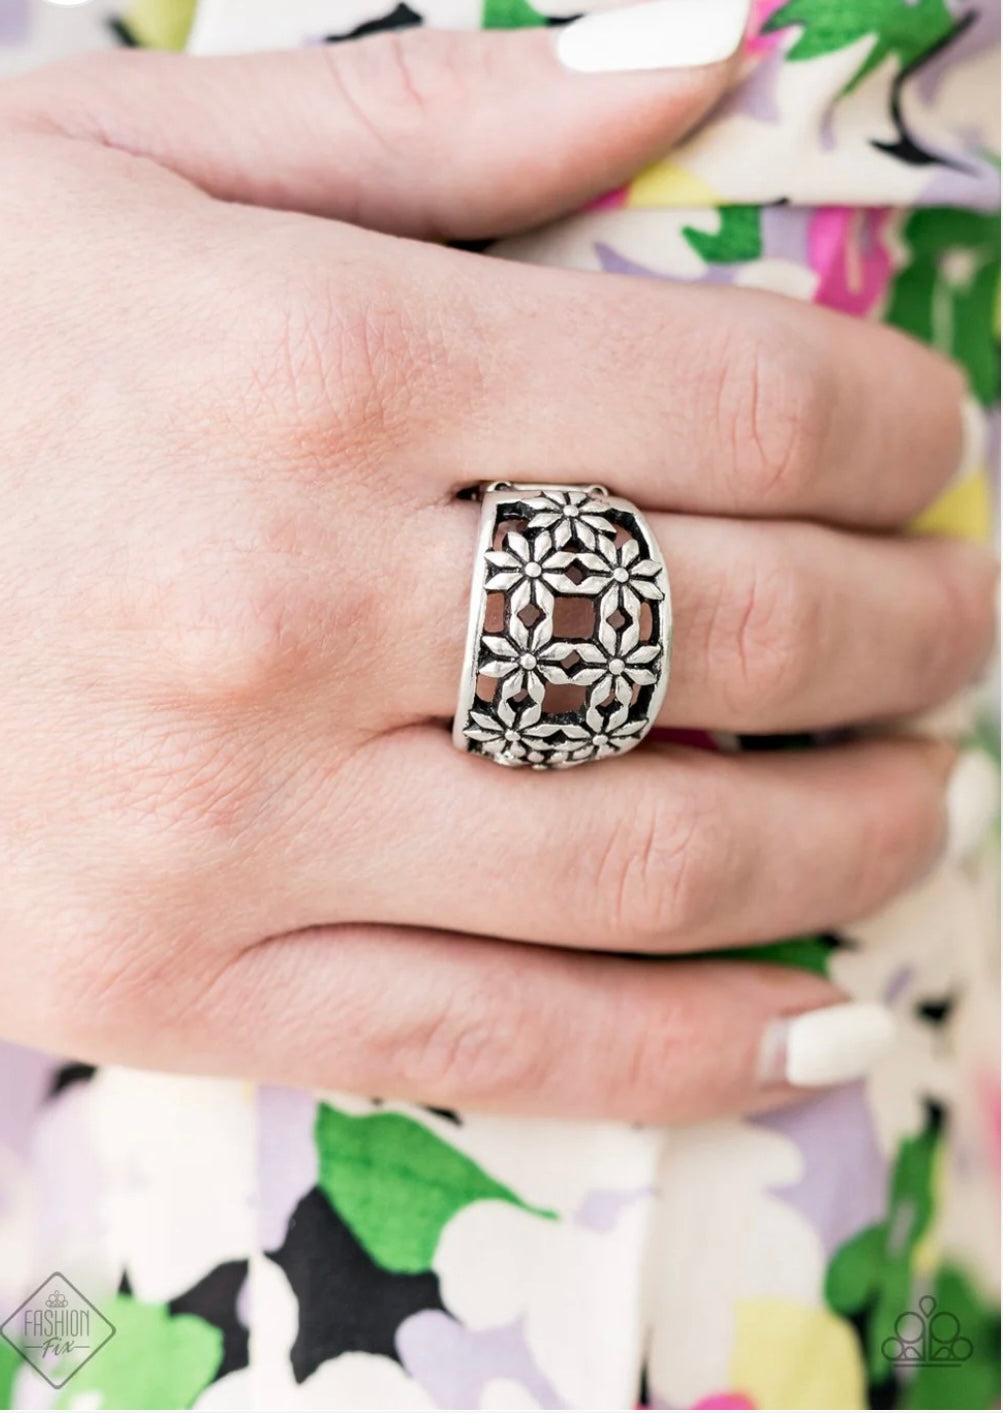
point(972, 803)
point(662, 34)
point(828, 1046)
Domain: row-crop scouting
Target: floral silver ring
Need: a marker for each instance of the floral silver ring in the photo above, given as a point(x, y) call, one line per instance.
point(569, 641)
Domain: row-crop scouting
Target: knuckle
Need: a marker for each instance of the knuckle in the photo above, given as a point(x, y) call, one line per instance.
point(764, 637)
point(654, 876)
point(654, 1053)
point(263, 599)
point(230, 641)
point(336, 362)
point(476, 1045)
point(774, 408)
point(234, 624)
point(393, 83)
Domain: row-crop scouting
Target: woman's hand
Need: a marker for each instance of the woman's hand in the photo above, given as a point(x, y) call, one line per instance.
point(234, 835)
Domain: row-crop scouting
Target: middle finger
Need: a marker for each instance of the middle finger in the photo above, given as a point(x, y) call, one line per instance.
point(685, 398)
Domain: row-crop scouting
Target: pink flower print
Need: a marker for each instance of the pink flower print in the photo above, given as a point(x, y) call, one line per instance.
point(846, 250)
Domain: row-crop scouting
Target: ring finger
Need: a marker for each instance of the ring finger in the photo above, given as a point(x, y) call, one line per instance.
point(778, 626)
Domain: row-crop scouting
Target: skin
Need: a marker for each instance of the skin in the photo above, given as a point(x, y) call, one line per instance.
point(234, 407)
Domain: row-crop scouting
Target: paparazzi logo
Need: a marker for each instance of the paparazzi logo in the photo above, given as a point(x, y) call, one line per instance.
point(927, 1338)
point(57, 1330)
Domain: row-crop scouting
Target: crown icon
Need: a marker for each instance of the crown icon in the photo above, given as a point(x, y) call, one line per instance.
point(56, 1300)
point(927, 1336)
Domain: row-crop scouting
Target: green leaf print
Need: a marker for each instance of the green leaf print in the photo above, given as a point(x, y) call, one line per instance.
point(850, 1282)
point(396, 1184)
point(808, 953)
point(947, 293)
point(155, 1360)
point(870, 1278)
point(510, 14)
point(907, 29)
point(10, 1363)
point(738, 237)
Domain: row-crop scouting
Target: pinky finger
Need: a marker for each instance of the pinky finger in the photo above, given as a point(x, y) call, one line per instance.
point(465, 1022)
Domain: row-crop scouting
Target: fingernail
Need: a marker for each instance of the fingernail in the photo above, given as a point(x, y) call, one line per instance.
point(828, 1046)
point(972, 804)
point(663, 34)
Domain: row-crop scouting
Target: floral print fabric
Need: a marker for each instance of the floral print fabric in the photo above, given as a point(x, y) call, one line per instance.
point(271, 1249)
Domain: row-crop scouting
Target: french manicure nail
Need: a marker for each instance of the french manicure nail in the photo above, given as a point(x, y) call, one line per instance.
point(661, 34)
point(972, 803)
point(828, 1046)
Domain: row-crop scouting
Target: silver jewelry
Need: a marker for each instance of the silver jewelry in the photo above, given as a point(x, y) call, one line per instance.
point(568, 646)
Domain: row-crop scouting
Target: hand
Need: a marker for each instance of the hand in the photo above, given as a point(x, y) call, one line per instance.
point(234, 835)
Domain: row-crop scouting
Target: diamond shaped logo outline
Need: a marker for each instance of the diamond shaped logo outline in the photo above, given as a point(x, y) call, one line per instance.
point(23, 1353)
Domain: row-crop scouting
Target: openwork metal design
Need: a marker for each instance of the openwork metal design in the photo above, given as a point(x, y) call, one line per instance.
point(570, 626)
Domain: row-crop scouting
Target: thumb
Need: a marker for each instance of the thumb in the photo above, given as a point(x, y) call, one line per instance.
point(417, 132)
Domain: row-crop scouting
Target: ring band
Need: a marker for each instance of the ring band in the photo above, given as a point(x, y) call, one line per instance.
point(568, 646)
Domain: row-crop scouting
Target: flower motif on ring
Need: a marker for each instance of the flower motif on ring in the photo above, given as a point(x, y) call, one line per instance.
point(500, 732)
point(535, 571)
point(526, 661)
point(513, 749)
point(571, 515)
point(629, 579)
point(541, 747)
point(627, 664)
point(609, 736)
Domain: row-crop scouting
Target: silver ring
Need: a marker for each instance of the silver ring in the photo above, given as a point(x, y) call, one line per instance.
point(569, 640)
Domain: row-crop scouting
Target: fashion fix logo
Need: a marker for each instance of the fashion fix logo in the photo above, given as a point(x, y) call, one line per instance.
point(57, 1330)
